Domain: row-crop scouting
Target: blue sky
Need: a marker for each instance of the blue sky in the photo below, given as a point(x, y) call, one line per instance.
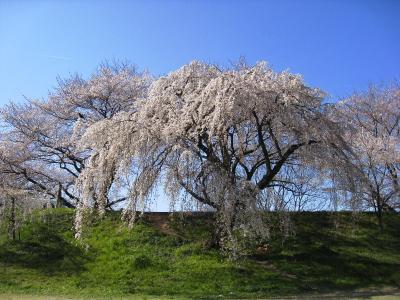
point(339, 46)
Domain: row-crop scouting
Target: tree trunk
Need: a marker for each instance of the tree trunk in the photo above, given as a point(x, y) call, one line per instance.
point(379, 215)
point(12, 222)
point(59, 202)
point(215, 241)
point(378, 206)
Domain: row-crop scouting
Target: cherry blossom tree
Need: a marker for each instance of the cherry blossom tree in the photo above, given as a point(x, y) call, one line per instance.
point(223, 137)
point(38, 143)
point(372, 122)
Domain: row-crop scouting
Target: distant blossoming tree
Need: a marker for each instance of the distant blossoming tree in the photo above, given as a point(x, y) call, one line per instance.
point(223, 137)
point(38, 144)
point(372, 122)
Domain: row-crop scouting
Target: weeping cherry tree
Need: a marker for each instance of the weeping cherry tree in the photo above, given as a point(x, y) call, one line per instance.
point(224, 138)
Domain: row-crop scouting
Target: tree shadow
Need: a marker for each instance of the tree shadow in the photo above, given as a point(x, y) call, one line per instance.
point(46, 250)
point(323, 259)
point(325, 269)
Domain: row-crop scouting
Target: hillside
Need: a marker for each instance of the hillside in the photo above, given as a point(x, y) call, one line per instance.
point(170, 256)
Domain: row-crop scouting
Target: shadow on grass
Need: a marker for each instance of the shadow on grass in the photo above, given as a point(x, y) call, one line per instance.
point(46, 250)
point(319, 258)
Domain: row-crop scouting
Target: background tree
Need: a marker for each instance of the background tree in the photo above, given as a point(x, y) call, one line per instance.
point(38, 145)
point(372, 123)
point(16, 203)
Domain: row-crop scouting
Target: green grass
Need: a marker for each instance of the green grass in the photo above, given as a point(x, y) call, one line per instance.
point(327, 252)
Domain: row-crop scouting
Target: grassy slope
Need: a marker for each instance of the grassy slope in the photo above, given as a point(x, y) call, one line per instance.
point(326, 253)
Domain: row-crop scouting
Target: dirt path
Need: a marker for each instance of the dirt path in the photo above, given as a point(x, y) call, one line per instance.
point(161, 222)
